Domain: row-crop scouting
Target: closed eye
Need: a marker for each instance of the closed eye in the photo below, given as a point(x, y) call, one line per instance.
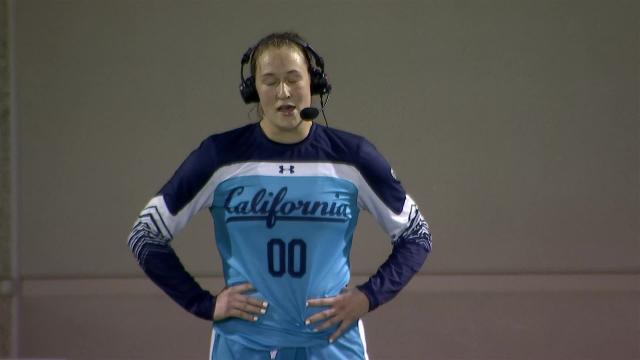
point(269, 80)
point(291, 77)
point(294, 77)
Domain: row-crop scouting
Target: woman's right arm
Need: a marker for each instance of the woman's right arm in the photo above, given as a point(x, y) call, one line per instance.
point(187, 192)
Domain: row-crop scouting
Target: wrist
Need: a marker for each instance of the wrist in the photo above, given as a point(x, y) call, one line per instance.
point(368, 294)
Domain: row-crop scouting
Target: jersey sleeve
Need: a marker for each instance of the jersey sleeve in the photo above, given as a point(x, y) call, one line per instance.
point(162, 218)
point(384, 197)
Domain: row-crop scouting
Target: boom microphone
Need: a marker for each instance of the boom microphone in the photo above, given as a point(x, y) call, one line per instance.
point(309, 113)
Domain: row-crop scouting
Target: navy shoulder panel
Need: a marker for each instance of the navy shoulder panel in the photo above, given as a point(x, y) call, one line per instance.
point(370, 163)
point(338, 145)
point(380, 176)
point(197, 169)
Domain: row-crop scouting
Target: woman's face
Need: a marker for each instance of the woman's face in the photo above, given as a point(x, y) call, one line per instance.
point(283, 85)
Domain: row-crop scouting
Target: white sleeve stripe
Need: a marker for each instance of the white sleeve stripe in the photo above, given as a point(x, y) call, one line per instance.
point(153, 210)
point(417, 229)
point(150, 228)
point(143, 234)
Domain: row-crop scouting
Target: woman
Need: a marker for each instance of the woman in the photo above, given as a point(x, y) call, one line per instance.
point(284, 194)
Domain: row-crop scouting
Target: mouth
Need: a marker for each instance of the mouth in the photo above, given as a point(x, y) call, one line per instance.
point(286, 109)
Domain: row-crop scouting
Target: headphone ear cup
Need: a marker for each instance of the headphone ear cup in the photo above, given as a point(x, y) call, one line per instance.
point(248, 90)
point(319, 82)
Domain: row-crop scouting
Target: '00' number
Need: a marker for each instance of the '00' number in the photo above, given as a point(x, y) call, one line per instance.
point(288, 258)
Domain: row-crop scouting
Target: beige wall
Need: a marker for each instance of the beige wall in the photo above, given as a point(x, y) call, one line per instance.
point(438, 317)
point(514, 124)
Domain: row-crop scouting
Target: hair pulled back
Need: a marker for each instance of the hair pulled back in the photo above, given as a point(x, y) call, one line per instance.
point(279, 40)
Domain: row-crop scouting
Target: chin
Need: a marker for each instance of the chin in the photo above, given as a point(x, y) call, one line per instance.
point(290, 125)
point(287, 123)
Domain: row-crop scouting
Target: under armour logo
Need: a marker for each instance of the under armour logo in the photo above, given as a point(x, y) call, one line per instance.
point(290, 169)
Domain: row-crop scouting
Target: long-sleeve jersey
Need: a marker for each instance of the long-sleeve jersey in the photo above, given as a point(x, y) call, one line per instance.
point(284, 217)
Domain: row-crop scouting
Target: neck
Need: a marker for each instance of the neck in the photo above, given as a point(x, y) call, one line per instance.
point(286, 135)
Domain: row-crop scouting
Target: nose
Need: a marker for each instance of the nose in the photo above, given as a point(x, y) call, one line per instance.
point(283, 91)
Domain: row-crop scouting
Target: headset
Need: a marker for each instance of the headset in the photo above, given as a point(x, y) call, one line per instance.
point(319, 83)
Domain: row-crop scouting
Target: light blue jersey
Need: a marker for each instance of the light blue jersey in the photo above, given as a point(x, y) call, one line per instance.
point(290, 236)
point(284, 217)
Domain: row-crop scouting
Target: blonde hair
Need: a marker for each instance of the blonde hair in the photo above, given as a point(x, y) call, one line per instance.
point(279, 40)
